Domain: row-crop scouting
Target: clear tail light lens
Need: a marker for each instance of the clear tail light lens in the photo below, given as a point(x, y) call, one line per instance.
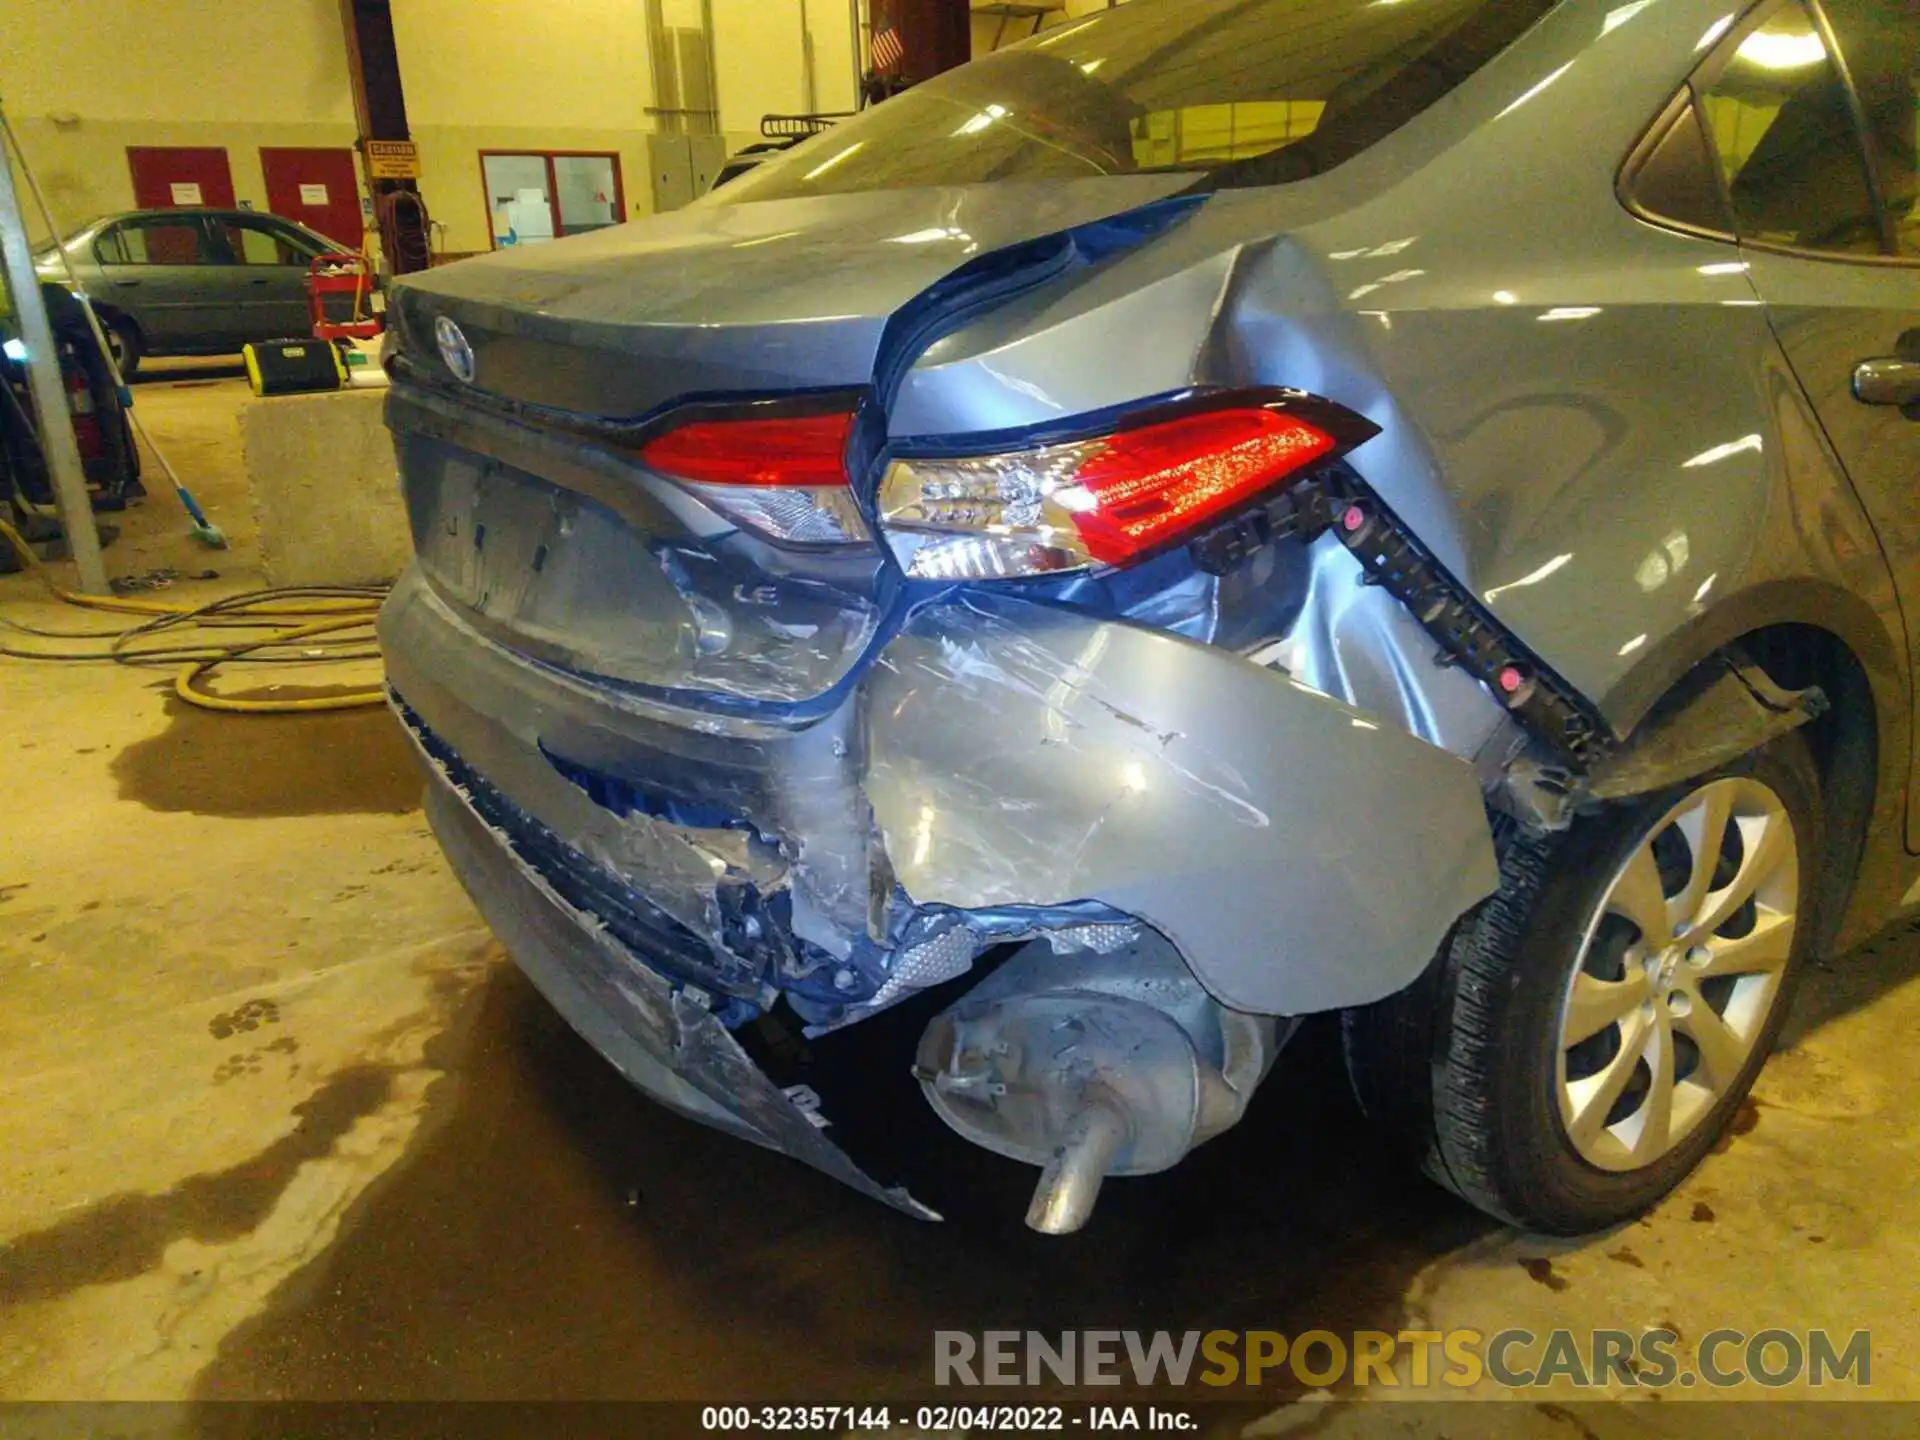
point(784, 476)
point(1104, 501)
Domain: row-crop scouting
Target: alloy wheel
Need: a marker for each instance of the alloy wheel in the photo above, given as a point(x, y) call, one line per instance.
point(1679, 969)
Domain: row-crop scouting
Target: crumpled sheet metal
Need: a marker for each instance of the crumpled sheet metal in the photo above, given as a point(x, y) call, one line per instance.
point(683, 867)
point(1302, 855)
point(660, 1039)
point(1358, 643)
point(497, 710)
point(942, 945)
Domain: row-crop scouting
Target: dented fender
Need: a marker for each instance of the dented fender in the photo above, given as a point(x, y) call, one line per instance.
point(1301, 854)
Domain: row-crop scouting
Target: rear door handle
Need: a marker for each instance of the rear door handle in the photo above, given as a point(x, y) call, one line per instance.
point(1888, 382)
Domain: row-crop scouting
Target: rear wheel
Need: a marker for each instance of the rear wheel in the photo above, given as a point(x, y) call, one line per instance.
point(1588, 1033)
point(123, 343)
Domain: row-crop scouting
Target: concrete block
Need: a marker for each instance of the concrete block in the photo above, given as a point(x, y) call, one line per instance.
point(326, 491)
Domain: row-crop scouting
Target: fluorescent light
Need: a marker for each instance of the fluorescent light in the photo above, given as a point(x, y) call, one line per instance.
point(1725, 267)
point(1506, 297)
point(1724, 452)
point(1632, 645)
point(1570, 312)
point(831, 161)
point(1536, 89)
point(1616, 18)
point(1714, 32)
point(1772, 50)
point(986, 117)
point(1553, 566)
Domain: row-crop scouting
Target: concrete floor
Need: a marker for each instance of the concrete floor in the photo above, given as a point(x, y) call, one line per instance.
point(281, 1121)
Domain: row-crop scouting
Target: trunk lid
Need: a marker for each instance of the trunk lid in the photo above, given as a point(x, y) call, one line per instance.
point(530, 514)
point(729, 299)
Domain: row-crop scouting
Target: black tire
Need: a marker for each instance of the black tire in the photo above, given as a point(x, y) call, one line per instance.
point(1460, 1068)
point(123, 339)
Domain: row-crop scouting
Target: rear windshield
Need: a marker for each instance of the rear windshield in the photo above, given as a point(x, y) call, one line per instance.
point(1264, 90)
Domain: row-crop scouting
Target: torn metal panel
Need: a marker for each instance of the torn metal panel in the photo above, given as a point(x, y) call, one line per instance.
point(933, 944)
point(657, 1035)
point(1300, 854)
point(745, 863)
point(1729, 709)
point(717, 828)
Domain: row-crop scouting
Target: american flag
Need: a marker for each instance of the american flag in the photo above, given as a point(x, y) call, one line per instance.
point(888, 52)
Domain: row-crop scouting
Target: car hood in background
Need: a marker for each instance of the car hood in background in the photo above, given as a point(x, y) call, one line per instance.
point(731, 298)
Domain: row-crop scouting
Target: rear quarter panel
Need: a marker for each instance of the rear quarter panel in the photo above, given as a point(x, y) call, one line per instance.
point(1585, 417)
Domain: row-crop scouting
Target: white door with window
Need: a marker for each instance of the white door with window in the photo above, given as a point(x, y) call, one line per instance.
point(534, 197)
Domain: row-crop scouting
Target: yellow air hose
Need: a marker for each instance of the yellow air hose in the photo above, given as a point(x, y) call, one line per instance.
point(295, 618)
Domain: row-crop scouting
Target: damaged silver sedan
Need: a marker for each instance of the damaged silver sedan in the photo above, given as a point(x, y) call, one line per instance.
point(1230, 511)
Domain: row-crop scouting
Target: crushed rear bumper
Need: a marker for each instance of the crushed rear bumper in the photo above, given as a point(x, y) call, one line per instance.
point(998, 769)
point(674, 1049)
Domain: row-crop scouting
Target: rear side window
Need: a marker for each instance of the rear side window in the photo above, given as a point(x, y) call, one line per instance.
point(1673, 178)
point(152, 242)
point(1881, 42)
point(1270, 89)
point(257, 243)
point(1783, 126)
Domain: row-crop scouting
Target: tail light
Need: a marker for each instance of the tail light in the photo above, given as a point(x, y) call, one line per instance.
point(1108, 500)
point(782, 475)
point(86, 423)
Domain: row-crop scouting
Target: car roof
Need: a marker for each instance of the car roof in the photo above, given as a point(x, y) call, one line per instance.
point(214, 212)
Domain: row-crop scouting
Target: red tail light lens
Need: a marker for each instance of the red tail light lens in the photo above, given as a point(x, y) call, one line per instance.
point(784, 476)
point(779, 450)
point(1155, 483)
point(1103, 501)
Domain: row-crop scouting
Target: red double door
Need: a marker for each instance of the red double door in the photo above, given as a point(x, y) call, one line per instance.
point(317, 186)
point(168, 176)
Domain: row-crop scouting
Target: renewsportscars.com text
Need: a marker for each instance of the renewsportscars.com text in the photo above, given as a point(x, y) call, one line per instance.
point(1518, 1359)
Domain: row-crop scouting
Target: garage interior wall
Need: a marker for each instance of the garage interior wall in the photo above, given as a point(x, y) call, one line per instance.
point(520, 75)
point(513, 75)
point(82, 83)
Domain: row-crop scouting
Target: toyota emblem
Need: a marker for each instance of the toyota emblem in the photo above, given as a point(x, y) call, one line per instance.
point(454, 349)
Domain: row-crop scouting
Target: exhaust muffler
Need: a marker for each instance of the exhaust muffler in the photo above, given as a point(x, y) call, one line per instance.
point(1092, 1065)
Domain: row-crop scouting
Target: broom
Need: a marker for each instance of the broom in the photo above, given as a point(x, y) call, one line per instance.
point(203, 529)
